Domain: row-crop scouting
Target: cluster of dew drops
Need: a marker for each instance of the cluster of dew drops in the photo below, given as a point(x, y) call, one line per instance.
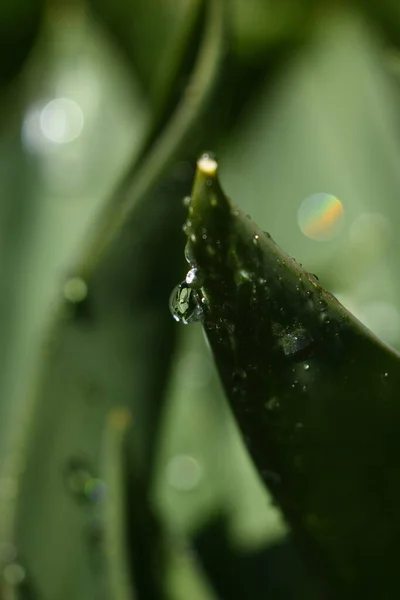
point(186, 302)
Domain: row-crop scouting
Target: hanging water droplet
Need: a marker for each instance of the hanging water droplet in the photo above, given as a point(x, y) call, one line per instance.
point(273, 404)
point(184, 304)
point(297, 344)
point(255, 240)
point(194, 278)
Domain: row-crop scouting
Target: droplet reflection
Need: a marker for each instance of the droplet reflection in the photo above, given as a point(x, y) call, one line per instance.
point(184, 304)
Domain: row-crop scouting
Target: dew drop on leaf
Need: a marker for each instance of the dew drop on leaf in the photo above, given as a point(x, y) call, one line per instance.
point(184, 304)
point(194, 278)
point(273, 404)
point(297, 344)
point(239, 374)
point(80, 482)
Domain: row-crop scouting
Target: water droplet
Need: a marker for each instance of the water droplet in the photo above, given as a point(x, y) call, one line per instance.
point(186, 201)
point(386, 375)
point(193, 237)
point(306, 366)
point(213, 202)
point(297, 344)
point(75, 290)
point(95, 489)
point(79, 480)
point(189, 254)
point(194, 278)
point(244, 275)
point(184, 304)
point(239, 374)
point(255, 240)
point(273, 404)
point(204, 236)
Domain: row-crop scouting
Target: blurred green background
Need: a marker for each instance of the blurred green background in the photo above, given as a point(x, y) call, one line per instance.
point(122, 474)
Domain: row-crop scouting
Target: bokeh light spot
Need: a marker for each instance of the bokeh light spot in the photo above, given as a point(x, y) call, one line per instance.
point(61, 120)
point(320, 217)
point(372, 229)
point(183, 473)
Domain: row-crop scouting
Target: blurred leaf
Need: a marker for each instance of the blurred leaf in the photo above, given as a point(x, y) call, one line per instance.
point(19, 26)
point(159, 38)
point(314, 392)
point(261, 573)
point(101, 355)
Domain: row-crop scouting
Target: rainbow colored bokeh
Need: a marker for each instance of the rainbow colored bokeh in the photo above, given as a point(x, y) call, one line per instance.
point(320, 217)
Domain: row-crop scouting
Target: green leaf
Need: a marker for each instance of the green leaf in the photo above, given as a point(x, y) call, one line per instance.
point(314, 392)
point(109, 334)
